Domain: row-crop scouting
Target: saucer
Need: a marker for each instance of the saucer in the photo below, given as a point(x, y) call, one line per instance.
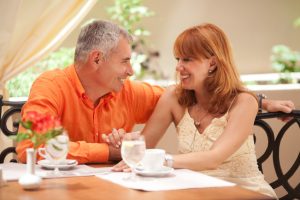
point(66, 165)
point(164, 171)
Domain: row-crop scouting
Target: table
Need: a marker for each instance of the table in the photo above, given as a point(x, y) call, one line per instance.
point(92, 187)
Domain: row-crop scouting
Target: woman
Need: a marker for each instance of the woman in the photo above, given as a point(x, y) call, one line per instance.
point(212, 111)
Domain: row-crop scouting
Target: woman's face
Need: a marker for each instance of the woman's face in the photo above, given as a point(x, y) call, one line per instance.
point(192, 72)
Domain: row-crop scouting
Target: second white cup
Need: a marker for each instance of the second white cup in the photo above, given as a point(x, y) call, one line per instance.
point(154, 159)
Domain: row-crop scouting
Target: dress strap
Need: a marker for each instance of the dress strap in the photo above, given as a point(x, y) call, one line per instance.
point(231, 103)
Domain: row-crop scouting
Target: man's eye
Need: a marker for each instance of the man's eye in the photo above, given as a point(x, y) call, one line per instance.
point(186, 59)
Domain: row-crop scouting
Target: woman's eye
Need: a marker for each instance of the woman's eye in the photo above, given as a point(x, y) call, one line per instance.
point(183, 59)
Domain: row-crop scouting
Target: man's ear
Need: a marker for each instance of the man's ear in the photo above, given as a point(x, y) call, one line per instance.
point(95, 57)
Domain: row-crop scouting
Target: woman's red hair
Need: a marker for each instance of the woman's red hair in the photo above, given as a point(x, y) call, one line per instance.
point(223, 84)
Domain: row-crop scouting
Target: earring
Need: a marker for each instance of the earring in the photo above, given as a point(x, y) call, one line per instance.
point(210, 71)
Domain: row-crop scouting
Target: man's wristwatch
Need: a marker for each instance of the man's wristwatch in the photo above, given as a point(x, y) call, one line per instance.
point(260, 98)
point(169, 160)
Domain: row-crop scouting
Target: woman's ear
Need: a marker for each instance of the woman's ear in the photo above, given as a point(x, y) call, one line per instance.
point(213, 64)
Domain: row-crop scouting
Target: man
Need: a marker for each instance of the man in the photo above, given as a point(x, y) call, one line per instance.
point(94, 96)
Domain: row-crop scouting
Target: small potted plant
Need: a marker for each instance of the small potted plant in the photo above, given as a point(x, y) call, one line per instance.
point(39, 129)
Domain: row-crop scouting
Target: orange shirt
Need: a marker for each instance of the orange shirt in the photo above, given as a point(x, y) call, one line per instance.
point(60, 93)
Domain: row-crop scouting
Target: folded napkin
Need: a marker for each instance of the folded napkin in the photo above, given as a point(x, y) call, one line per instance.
point(13, 171)
point(179, 179)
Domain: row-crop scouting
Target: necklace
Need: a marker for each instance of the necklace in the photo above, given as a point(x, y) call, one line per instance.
point(198, 123)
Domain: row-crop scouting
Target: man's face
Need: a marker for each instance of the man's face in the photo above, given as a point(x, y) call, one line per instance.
point(116, 68)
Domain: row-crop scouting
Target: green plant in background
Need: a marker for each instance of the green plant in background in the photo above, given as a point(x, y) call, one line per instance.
point(285, 61)
point(297, 22)
point(20, 85)
point(129, 14)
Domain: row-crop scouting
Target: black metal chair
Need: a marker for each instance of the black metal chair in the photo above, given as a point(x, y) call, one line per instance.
point(8, 109)
point(273, 148)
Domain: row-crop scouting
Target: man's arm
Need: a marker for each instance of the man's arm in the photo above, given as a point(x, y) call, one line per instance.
point(46, 97)
point(143, 99)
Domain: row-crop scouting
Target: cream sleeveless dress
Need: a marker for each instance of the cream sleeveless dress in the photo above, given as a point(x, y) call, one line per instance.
point(240, 168)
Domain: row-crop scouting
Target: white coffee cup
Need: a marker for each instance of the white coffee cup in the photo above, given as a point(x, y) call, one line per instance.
point(153, 159)
point(56, 150)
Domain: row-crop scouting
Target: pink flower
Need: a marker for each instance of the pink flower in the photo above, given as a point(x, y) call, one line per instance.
point(39, 128)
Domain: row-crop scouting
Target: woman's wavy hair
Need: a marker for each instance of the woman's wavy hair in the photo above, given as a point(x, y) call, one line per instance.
point(223, 83)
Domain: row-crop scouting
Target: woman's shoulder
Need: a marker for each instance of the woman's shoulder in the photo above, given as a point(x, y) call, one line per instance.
point(246, 99)
point(170, 93)
point(246, 96)
point(171, 99)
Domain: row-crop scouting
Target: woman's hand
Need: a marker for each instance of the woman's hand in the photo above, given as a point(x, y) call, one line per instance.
point(278, 106)
point(121, 167)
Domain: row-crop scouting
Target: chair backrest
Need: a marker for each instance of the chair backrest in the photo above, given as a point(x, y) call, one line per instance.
point(274, 151)
point(9, 109)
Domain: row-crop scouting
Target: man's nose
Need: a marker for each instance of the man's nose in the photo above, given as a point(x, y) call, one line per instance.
point(129, 70)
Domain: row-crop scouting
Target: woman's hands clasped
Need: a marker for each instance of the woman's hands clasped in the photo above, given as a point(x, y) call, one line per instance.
point(114, 139)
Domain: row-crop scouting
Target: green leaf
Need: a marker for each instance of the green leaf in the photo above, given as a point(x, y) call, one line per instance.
point(27, 124)
point(21, 136)
point(56, 147)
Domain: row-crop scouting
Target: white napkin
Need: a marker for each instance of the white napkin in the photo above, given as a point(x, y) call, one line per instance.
point(13, 171)
point(179, 179)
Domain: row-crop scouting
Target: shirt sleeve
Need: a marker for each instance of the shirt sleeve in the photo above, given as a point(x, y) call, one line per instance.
point(85, 152)
point(45, 97)
point(81, 151)
point(143, 100)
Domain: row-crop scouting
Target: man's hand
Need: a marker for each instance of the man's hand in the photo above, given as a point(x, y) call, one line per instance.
point(114, 153)
point(114, 138)
point(278, 106)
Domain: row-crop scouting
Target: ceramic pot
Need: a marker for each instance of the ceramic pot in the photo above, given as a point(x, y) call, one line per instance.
point(30, 180)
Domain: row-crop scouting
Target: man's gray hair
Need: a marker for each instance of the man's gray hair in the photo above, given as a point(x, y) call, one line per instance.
point(98, 35)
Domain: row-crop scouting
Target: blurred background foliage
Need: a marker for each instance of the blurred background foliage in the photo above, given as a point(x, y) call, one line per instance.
point(20, 85)
point(145, 60)
point(127, 13)
point(286, 61)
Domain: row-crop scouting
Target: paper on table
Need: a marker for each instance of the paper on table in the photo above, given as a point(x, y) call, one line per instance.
point(180, 179)
point(13, 171)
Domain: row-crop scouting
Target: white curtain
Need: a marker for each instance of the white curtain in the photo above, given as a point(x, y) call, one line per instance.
point(30, 29)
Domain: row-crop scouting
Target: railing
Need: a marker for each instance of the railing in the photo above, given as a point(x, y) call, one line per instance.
point(273, 149)
point(9, 109)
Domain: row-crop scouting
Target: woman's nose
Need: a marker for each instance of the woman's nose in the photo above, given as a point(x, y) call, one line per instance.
point(179, 66)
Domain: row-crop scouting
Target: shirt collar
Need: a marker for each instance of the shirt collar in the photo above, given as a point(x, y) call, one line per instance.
point(73, 76)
